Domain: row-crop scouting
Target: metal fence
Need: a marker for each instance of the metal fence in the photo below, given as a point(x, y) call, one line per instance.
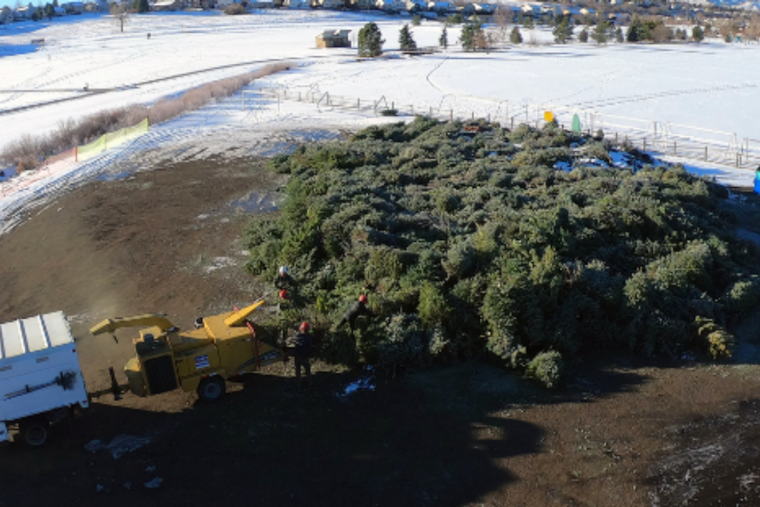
point(660, 138)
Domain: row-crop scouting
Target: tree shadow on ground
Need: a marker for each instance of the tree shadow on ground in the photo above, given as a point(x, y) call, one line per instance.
point(272, 444)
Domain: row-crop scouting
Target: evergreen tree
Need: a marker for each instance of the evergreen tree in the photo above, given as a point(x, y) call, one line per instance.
point(583, 36)
point(443, 40)
point(471, 37)
point(600, 33)
point(405, 39)
point(697, 34)
point(619, 35)
point(563, 31)
point(528, 22)
point(635, 30)
point(49, 11)
point(515, 37)
point(37, 14)
point(370, 41)
point(141, 6)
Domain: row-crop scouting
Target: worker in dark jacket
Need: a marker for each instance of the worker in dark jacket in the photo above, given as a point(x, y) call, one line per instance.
point(284, 281)
point(357, 309)
point(302, 347)
point(287, 286)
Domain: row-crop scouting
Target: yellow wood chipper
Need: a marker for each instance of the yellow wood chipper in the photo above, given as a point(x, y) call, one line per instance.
point(221, 346)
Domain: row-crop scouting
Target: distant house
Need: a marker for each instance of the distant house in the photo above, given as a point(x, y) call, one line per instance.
point(415, 5)
point(531, 10)
point(390, 5)
point(23, 13)
point(297, 4)
point(467, 9)
point(252, 4)
point(168, 5)
point(441, 7)
point(6, 15)
point(74, 7)
point(362, 4)
point(485, 8)
point(334, 39)
point(328, 4)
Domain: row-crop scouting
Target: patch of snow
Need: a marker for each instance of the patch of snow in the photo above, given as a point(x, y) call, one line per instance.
point(620, 159)
point(219, 263)
point(94, 446)
point(362, 384)
point(119, 446)
point(748, 235)
point(124, 444)
point(154, 483)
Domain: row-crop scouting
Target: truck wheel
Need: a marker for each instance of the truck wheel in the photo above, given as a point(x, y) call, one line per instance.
point(34, 431)
point(211, 389)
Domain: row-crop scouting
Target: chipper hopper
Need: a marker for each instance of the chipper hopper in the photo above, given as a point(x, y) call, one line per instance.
point(221, 346)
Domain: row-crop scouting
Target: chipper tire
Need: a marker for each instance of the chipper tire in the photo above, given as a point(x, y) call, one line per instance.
point(211, 389)
point(34, 431)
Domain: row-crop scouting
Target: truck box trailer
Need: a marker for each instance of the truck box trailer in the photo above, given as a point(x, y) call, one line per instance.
point(41, 380)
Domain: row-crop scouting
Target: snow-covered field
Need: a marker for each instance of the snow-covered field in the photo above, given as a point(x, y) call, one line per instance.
point(712, 86)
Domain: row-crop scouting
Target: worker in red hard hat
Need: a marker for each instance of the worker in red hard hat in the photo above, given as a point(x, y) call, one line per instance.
point(302, 347)
point(358, 308)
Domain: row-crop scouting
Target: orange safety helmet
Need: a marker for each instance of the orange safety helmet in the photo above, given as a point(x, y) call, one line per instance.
point(305, 327)
point(284, 294)
point(363, 299)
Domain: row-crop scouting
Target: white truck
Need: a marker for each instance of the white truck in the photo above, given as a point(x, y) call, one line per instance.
point(41, 380)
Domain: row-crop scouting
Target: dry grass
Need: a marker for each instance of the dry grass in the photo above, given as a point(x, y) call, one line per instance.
point(29, 151)
point(235, 9)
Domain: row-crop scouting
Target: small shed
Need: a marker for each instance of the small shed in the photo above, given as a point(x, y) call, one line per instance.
point(334, 39)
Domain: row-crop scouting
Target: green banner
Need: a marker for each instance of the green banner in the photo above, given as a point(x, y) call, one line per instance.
point(576, 124)
point(112, 140)
point(92, 149)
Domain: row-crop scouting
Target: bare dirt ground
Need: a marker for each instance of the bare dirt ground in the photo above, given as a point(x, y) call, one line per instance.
point(623, 432)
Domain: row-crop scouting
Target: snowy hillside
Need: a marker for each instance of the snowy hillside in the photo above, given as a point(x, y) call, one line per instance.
point(707, 91)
